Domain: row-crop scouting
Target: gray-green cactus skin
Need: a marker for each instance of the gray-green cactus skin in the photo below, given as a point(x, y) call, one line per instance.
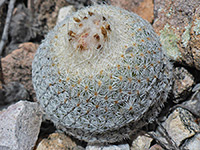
point(101, 75)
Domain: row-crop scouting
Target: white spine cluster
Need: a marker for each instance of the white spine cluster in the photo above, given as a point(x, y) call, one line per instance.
point(100, 75)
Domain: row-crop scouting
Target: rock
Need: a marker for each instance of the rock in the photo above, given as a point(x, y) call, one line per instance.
point(64, 12)
point(23, 28)
point(194, 103)
point(58, 141)
point(13, 92)
point(183, 83)
point(21, 25)
point(47, 11)
point(143, 8)
point(178, 24)
point(109, 147)
point(195, 38)
point(156, 147)
point(193, 143)
point(141, 143)
point(78, 4)
point(181, 125)
point(17, 66)
point(20, 126)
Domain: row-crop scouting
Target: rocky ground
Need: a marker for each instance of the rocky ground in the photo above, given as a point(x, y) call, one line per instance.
point(21, 123)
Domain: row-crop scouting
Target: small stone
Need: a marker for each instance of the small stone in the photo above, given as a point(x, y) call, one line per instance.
point(141, 143)
point(183, 83)
point(109, 147)
point(178, 24)
point(193, 143)
point(156, 147)
point(17, 66)
point(58, 141)
point(143, 8)
point(64, 12)
point(20, 126)
point(181, 125)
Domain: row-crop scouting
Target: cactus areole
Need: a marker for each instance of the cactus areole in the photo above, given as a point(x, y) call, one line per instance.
point(100, 75)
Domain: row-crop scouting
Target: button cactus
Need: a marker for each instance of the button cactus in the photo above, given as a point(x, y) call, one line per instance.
point(100, 75)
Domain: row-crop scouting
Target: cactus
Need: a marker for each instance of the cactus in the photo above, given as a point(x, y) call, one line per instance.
point(101, 75)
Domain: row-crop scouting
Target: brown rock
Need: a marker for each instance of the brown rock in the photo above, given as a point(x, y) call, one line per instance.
point(143, 8)
point(17, 66)
point(178, 24)
point(195, 38)
point(57, 141)
point(47, 11)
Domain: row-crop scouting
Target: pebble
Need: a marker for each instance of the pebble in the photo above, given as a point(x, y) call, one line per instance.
point(20, 126)
point(58, 141)
point(141, 143)
point(109, 147)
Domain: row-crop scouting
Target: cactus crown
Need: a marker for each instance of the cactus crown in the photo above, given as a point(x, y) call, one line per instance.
point(100, 75)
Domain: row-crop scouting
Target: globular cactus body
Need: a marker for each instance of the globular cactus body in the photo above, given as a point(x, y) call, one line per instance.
point(100, 75)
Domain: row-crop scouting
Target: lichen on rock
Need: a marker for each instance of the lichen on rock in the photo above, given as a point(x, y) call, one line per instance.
point(178, 25)
point(169, 41)
point(100, 75)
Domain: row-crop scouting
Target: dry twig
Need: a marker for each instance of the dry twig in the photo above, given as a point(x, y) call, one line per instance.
point(31, 6)
point(6, 27)
point(5, 32)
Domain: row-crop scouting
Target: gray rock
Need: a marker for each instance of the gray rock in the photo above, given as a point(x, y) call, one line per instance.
point(109, 147)
point(193, 143)
point(180, 125)
point(20, 126)
point(141, 143)
point(183, 83)
point(193, 105)
point(21, 26)
point(13, 92)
